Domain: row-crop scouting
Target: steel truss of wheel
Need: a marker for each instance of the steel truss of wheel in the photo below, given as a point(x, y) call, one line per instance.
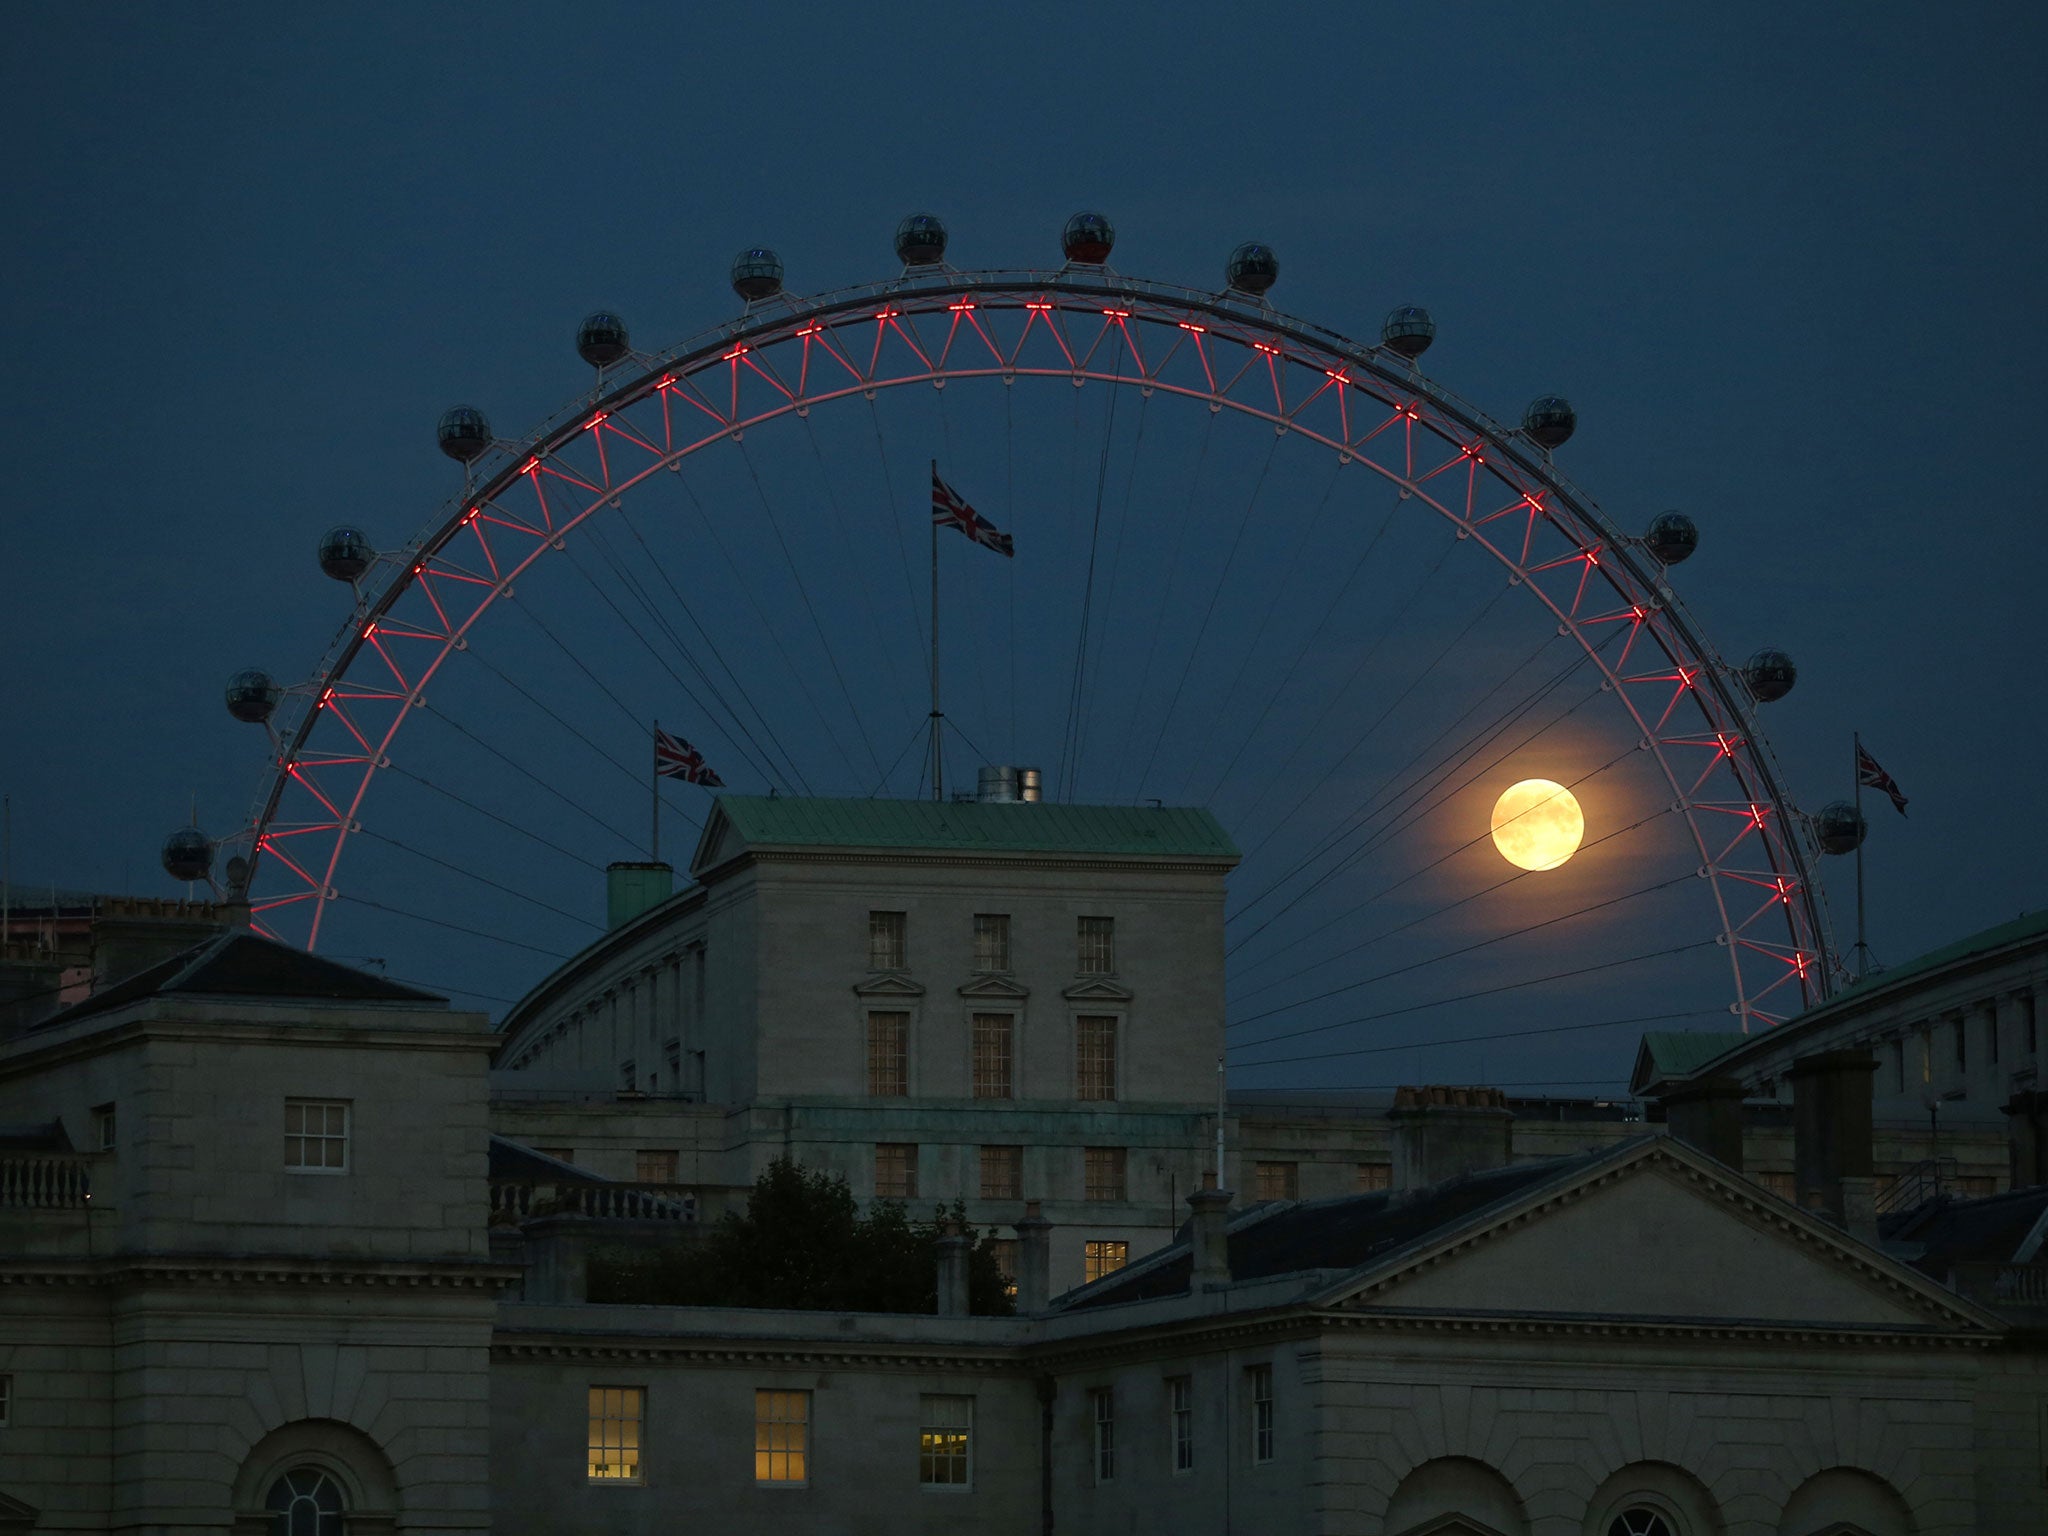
point(416, 607)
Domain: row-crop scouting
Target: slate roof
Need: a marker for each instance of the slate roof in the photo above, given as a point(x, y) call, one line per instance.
point(971, 826)
point(1293, 1237)
point(513, 1162)
point(1958, 1231)
point(1668, 1054)
point(242, 964)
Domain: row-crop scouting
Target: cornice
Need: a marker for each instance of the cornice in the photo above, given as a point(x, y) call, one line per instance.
point(792, 1353)
point(1557, 1325)
point(979, 859)
point(207, 1272)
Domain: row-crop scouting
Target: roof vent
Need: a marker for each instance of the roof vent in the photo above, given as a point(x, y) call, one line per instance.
point(1010, 786)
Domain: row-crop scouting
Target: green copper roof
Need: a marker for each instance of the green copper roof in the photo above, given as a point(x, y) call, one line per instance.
point(2026, 926)
point(1673, 1053)
point(1171, 832)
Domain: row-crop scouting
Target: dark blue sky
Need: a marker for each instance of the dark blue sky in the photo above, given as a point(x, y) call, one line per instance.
point(1784, 261)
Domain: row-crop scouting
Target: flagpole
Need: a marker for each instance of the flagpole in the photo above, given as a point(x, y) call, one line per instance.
point(938, 754)
point(1861, 953)
point(654, 784)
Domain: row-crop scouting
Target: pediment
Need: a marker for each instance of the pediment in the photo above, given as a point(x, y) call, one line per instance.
point(998, 987)
point(888, 984)
point(718, 842)
point(1097, 989)
point(1660, 1236)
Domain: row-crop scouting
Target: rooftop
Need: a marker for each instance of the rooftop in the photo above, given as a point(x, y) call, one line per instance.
point(241, 964)
point(1128, 831)
point(1293, 1237)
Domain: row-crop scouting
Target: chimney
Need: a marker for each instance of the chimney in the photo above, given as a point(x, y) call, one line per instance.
point(1444, 1133)
point(952, 1273)
point(1209, 1236)
point(1034, 1260)
point(630, 889)
point(132, 933)
point(1831, 1135)
point(1706, 1113)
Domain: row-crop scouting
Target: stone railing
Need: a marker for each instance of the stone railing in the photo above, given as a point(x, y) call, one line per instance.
point(513, 1201)
point(46, 1181)
point(2002, 1285)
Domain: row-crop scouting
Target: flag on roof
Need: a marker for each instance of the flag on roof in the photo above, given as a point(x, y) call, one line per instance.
point(949, 510)
point(675, 758)
point(1870, 776)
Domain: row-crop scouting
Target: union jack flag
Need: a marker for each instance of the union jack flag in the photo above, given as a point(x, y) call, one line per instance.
point(950, 511)
point(1870, 776)
point(675, 758)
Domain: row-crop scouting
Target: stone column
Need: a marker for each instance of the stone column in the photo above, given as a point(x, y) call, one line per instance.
point(1444, 1133)
point(1034, 1260)
point(1209, 1237)
point(952, 1274)
point(1831, 1133)
point(1706, 1113)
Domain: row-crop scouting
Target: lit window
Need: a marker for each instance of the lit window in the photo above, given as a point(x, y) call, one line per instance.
point(1373, 1176)
point(992, 1055)
point(896, 1170)
point(316, 1135)
point(305, 1502)
point(103, 1127)
point(1002, 1173)
point(1180, 1397)
point(1639, 1521)
point(1095, 1057)
point(654, 1165)
point(1004, 1251)
point(1277, 1181)
point(1104, 1173)
point(888, 1055)
point(615, 1434)
point(1096, 938)
point(1103, 1401)
point(1262, 1412)
point(1103, 1256)
point(945, 1441)
point(886, 941)
point(991, 941)
point(782, 1427)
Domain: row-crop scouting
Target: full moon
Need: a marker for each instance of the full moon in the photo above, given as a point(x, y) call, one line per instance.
point(1537, 824)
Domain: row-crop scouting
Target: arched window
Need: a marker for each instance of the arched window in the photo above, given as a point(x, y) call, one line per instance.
point(305, 1502)
point(1637, 1520)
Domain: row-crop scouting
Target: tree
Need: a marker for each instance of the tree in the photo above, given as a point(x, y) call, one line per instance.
point(804, 1244)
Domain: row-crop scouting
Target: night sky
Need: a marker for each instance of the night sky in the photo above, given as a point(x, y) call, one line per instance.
point(1783, 260)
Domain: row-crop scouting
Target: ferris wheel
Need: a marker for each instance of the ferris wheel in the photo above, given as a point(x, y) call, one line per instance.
point(1259, 566)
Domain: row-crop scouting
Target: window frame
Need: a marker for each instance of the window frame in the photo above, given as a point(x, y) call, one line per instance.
point(596, 1443)
point(1259, 1393)
point(910, 1169)
point(1102, 1441)
point(1087, 960)
point(888, 935)
point(926, 1427)
point(1094, 1259)
point(1284, 1173)
point(992, 944)
point(1014, 1159)
point(106, 1126)
point(777, 1395)
point(1086, 1024)
point(1097, 1160)
point(869, 1021)
point(1180, 1419)
point(346, 1138)
point(670, 1157)
point(6, 1398)
point(1003, 1022)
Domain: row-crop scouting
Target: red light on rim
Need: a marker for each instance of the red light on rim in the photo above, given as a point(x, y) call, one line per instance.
point(1338, 374)
point(600, 418)
point(1039, 304)
point(1266, 347)
point(964, 304)
point(886, 313)
point(1118, 314)
point(530, 467)
point(735, 352)
point(812, 330)
point(1199, 330)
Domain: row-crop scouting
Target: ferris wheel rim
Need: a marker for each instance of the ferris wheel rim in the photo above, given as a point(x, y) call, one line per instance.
point(1244, 322)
